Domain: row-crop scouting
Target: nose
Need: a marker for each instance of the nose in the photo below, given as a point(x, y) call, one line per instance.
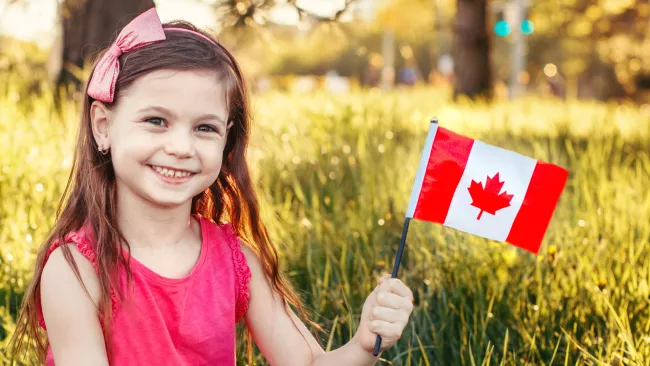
point(180, 144)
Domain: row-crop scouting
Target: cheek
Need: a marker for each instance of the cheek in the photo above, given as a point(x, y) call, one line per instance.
point(211, 155)
point(130, 147)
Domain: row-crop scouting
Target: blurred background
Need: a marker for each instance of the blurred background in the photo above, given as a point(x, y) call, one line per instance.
point(343, 91)
point(593, 49)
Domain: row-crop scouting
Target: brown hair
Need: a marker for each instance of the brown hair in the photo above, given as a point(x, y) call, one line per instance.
point(90, 194)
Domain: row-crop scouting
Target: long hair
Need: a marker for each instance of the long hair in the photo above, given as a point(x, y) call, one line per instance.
point(90, 195)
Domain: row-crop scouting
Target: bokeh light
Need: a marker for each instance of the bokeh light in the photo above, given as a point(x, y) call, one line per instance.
point(523, 77)
point(550, 70)
point(527, 27)
point(406, 52)
point(502, 28)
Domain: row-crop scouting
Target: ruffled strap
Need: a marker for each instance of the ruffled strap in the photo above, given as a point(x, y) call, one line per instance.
point(242, 271)
point(84, 247)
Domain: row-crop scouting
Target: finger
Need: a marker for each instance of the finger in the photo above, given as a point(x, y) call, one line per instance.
point(387, 314)
point(383, 278)
point(386, 329)
point(379, 282)
point(391, 300)
point(395, 285)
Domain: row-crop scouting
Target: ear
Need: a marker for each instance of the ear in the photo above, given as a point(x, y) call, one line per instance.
point(100, 121)
point(228, 126)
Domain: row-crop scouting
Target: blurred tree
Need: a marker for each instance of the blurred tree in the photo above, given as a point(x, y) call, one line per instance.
point(471, 50)
point(92, 23)
point(252, 33)
point(600, 46)
point(422, 25)
point(415, 24)
point(416, 31)
point(409, 20)
point(241, 13)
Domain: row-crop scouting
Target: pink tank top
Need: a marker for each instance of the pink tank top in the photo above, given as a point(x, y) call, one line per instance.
point(185, 321)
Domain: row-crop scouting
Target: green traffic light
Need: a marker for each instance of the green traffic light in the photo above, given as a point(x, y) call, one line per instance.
point(527, 27)
point(502, 28)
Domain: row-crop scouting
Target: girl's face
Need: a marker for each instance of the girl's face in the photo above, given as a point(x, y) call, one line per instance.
point(166, 135)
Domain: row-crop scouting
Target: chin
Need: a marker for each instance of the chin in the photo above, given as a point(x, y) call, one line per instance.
point(168, 202)
point(169, 196)
point(163, 198)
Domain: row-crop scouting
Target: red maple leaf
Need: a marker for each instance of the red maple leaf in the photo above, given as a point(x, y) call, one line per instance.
point(489, 199)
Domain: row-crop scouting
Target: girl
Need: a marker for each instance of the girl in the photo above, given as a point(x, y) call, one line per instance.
point(140, 268)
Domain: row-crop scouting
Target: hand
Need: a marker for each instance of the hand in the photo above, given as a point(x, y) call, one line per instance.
point(386, 313)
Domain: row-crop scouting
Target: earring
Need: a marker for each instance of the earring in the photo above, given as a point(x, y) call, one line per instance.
point(102, 150)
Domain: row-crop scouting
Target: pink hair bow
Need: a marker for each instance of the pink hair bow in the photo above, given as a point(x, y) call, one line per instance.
point(143, 30)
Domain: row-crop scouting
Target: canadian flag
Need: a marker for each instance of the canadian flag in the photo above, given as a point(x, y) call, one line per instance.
point(485, 190)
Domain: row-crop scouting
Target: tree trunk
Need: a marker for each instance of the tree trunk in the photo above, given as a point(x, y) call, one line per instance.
point(471, 50)
point(89, 25)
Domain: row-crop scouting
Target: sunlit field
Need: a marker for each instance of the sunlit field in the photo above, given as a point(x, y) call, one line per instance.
point(334, 174)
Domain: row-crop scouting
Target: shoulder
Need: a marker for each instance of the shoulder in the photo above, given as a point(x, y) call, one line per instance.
point(73, 327)
point(260, 285)
point(260, 282)
point(63, 298)
point(59, 277)
point(244, 257)
point(253, 260)
point(241, 266)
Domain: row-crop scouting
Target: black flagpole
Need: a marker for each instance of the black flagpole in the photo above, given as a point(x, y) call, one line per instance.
point(398, 258)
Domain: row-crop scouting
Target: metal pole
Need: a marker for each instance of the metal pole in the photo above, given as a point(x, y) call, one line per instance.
point(388, 53)
point(517, 48)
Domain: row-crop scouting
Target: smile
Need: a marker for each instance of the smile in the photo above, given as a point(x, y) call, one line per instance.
point(171, 173)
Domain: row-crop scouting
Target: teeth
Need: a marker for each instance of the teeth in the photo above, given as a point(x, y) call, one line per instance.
point(171, 173)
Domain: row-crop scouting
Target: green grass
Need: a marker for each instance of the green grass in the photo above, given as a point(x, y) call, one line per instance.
point(335, 175)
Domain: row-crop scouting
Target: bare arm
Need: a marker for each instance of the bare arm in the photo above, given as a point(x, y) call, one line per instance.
point(280, 336)
point(71, 317)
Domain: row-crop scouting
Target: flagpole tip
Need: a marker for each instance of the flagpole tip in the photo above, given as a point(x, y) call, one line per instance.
point(434, 120)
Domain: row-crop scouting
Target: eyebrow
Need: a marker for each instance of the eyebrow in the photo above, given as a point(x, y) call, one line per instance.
point(168, 112)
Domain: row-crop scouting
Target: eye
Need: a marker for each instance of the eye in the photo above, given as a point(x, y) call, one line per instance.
point(156, 121)
point(207, 128)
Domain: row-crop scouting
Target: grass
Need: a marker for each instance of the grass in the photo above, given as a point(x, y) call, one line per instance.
point(335, 174)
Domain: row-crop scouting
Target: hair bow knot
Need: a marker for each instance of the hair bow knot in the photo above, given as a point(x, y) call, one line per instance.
point(143, 30)
point(115, 50)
